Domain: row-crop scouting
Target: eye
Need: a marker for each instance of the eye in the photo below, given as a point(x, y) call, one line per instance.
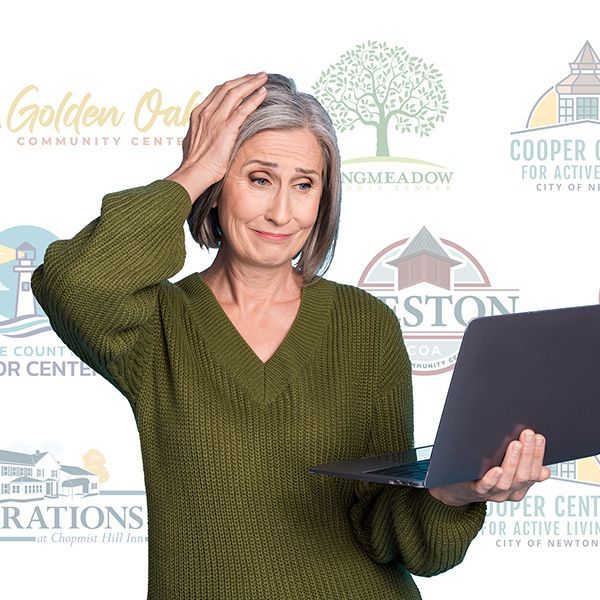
point(258, 180)
point(307, 184)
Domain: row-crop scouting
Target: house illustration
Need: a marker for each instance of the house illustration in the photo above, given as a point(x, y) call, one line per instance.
point(584, 470)
point(423, 260)
point(573, 99)
point(27, 477)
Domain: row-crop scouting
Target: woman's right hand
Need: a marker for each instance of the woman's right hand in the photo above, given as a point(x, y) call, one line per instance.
point(213, 129)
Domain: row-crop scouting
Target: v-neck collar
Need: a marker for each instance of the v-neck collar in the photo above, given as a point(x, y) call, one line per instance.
point(264, 381)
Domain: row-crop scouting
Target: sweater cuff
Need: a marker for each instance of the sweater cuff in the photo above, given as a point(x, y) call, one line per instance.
point(409, 524)
point(469, 515)
point(452, 527)
point(449, 530)
point(171, 194)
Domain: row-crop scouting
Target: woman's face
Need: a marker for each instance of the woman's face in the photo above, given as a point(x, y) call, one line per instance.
point(270, 196)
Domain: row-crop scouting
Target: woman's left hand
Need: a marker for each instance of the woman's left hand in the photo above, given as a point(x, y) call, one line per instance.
point(520, 469)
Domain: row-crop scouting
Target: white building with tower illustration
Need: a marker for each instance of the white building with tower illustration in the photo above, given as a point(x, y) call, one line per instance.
point(25, 302)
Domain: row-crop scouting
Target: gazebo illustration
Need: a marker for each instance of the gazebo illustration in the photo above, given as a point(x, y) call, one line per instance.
point(423, 260)
point(575, 97)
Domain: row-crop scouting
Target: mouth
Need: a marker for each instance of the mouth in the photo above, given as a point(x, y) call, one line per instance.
point(272, 236)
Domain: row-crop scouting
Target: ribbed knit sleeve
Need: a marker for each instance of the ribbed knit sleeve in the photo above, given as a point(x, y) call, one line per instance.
point(404, 524)
point(100, 288)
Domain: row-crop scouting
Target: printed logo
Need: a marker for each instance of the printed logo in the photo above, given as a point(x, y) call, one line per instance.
point(44, 501)
point(379, 89)
point(584, 470)
point(20, 248)
point(559, 521)
point(553, 522)
point(20, 476)
point(435, 287)
point(62, 122)
point(559, 149)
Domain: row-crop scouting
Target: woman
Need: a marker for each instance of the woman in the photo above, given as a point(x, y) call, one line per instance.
point(243, 376)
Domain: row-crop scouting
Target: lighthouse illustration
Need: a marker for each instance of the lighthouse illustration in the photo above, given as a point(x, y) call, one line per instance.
point(20, 314)
point(25, 256)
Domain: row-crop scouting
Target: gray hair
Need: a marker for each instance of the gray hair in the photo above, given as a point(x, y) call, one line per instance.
point(285, 108)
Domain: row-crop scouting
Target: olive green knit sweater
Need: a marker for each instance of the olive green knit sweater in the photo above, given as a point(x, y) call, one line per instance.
point(227, 441)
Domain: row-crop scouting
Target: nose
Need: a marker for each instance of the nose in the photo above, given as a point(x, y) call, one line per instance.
point(278, 210)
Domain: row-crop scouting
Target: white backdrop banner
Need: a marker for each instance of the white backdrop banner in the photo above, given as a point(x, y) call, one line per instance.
point(471, 186)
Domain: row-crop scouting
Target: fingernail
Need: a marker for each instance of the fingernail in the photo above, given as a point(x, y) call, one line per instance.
point(517, 448)
point(529, 436)
point(539, 440)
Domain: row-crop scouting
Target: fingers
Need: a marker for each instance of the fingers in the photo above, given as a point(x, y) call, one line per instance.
point(214, 101)
point(219, 88)
point(249, 104)
point(214, 124)
point(488, 482)
point(521, 467)
point(231, 94)
point(526, 462)
point(537, 467)
point(509, 466)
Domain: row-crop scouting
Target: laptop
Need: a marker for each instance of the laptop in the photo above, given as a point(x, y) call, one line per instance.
point(536, 369)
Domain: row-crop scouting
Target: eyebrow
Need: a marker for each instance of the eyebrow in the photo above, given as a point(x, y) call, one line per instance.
point(276, 165)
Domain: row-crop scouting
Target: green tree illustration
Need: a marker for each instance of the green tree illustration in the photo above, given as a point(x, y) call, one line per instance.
point(375, 84)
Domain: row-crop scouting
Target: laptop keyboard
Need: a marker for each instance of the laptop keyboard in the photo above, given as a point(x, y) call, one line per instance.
point(416, 470)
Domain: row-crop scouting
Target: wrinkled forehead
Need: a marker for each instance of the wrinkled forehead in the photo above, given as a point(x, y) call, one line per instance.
point(291, 149)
